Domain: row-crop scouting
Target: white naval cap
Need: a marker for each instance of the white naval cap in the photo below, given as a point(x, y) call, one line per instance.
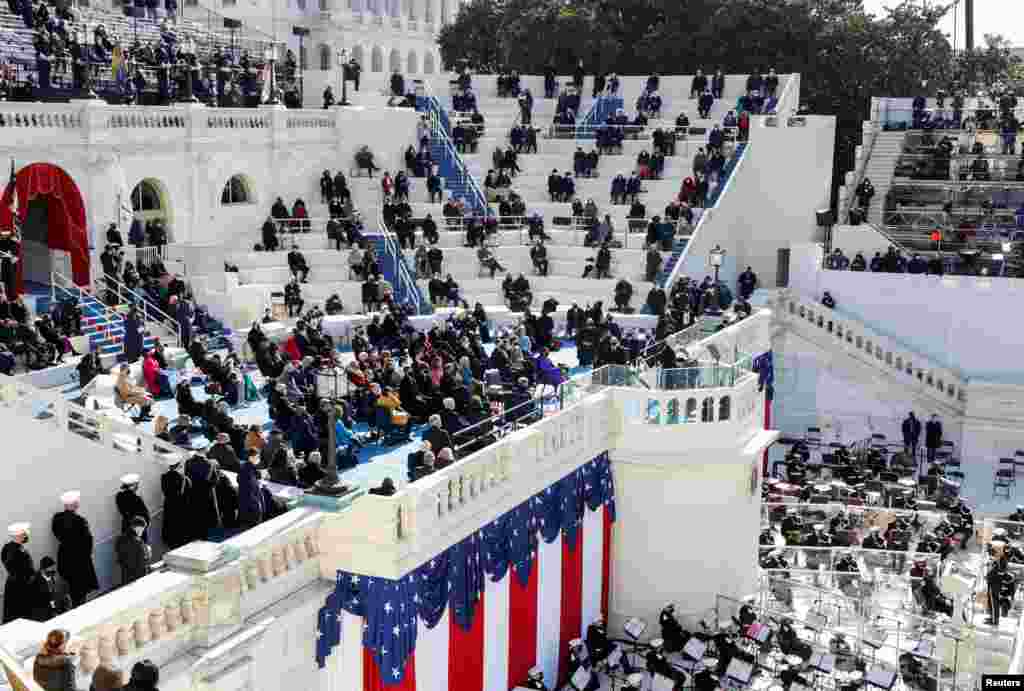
point(16, 529)
point(70, 497)
point(130, 479)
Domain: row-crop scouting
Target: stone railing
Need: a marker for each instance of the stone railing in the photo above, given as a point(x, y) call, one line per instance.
point(387, 536)
point(829, 326)
point(166, 613)
point(31, 125)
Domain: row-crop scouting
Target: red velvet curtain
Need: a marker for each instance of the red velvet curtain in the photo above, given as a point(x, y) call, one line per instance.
point(522, 626)
point(65, 215)
point(466, 652)
point(572, 600)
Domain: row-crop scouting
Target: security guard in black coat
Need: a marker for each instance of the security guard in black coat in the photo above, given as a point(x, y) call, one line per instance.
point(597, 642)
point(130, 504)
point(21, 570)
point(671, 632)
point(657, 663)
point(578, 659)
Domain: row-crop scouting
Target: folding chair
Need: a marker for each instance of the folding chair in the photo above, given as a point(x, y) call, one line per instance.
point(1001, 486)
point(1007, 468)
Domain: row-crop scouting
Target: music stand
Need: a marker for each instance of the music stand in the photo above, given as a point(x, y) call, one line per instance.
point(739, 671)
point(822, 662)
point(581, 679)
point(695, 649)
point(880, 677)
point(634, 628)
point(758, 633)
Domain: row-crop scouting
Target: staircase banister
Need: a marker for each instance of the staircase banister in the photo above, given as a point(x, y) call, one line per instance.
point(150, 309)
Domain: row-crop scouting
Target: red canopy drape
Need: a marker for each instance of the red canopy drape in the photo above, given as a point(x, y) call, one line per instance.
point(65, 214)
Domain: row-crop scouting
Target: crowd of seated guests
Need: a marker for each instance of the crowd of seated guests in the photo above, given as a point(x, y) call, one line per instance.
point(567, 108)
point(523, 139)
point(403, 378)
point(508, 84)
point(625, 190)
point(585, 164)
point(649, 102)
point(892, 261)
point(43, 341)
point(466, 138)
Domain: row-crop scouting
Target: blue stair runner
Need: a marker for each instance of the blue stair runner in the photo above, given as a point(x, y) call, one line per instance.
point(390, 267)
point(602, 107)
point(677, 252)
point(449, 163)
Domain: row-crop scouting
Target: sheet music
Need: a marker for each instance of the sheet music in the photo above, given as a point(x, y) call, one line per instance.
point(880, 677)
point(695, 648)
point(580, 679)
point(614, 657)
point(635, 627)
point(823, 662)
point(739, 670)
point(661, 683)
point(924, 648)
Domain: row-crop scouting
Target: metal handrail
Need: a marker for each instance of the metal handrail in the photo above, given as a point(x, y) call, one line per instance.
point(403, 278)
point(60, 282)
point(150, 311)
point(724, 180)
point(438, 131)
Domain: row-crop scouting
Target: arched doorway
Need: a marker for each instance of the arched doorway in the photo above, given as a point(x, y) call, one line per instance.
point(150, 204)
point(52, 212)
point(395, 61)
point(413, 65)
point(377, 60)
point(428, 63)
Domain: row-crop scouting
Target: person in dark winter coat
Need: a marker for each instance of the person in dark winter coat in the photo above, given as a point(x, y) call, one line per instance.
point(132, 336)
point(251, 509)
point(74, 555)
point(911, 434)
point(133, 554)
point(145, 677)
point(203, 513)
point(177, 489)
point(227, 502)
point(130, 504)
point(932, 436)
point(21, 570)
point(49, 594)
point(183, 315)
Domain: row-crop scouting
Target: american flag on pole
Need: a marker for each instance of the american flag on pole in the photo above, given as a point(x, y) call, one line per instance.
point(10, 204)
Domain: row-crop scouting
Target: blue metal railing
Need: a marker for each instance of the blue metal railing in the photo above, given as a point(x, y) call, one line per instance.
point(458, 180)
point(600, 109)
point(407, 292)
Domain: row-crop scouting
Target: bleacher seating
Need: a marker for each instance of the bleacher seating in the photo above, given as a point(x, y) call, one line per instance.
point(17, 49)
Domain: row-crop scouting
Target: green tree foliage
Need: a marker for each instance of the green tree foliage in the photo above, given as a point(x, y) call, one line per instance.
point(843, 54)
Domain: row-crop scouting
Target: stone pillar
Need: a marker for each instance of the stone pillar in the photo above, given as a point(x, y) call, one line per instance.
point(688, 502)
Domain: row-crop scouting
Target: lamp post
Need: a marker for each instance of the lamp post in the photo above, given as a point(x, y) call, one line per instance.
point(270, 55)
point(343, 76)
point(715, 258)
point(301, 32)
point(190, 57)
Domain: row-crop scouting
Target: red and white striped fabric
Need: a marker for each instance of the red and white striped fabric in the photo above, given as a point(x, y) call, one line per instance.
point(515, 627)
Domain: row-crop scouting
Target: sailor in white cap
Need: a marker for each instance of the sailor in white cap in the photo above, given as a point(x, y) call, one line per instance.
point(20, 572)
point(74, 554)
point(129, 503)
point(176, 488)
point(535, 679)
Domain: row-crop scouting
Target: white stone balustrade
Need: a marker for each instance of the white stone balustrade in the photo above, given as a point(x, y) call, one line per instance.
point(830, 327)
